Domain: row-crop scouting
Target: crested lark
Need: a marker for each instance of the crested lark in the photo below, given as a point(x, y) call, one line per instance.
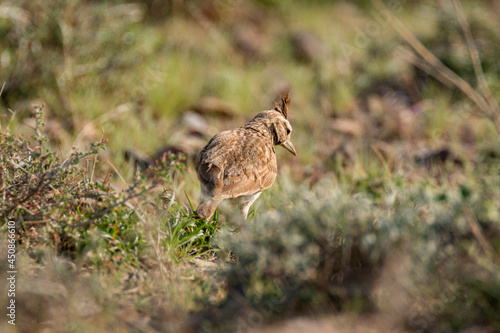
point(239, 164)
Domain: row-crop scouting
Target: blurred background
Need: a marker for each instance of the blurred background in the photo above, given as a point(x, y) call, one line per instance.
point(155, 75)
point(159, 78)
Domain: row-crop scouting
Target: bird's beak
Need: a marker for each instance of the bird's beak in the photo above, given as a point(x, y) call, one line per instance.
point(289, 146)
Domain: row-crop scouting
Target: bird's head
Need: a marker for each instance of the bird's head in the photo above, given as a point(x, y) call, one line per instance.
point(275, 122)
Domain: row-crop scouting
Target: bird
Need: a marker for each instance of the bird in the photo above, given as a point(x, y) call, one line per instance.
point(239, 164)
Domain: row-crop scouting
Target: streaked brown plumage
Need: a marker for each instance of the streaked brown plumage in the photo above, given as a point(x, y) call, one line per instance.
point(239, 164)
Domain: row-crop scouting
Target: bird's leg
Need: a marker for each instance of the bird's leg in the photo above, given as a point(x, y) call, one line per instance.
point(208, 204)
point(247, 202)
point(206, 209)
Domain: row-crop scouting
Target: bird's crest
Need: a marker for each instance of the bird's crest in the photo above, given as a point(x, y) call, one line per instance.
point(283, 106)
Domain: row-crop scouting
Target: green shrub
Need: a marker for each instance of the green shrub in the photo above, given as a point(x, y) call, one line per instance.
point(329, 251)
point(56, 202)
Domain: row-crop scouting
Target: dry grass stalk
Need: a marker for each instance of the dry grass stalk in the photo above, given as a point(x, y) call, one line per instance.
point(428, 62)
point(477, 231)
point(474, 55)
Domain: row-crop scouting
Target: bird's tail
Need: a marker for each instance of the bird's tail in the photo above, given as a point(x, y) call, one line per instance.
point(206, 209)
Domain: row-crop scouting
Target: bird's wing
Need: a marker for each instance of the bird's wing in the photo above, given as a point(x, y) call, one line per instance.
point(252, 168)
point(236, 163)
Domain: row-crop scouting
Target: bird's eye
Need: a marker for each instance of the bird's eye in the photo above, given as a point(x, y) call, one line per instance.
point(287, 131)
